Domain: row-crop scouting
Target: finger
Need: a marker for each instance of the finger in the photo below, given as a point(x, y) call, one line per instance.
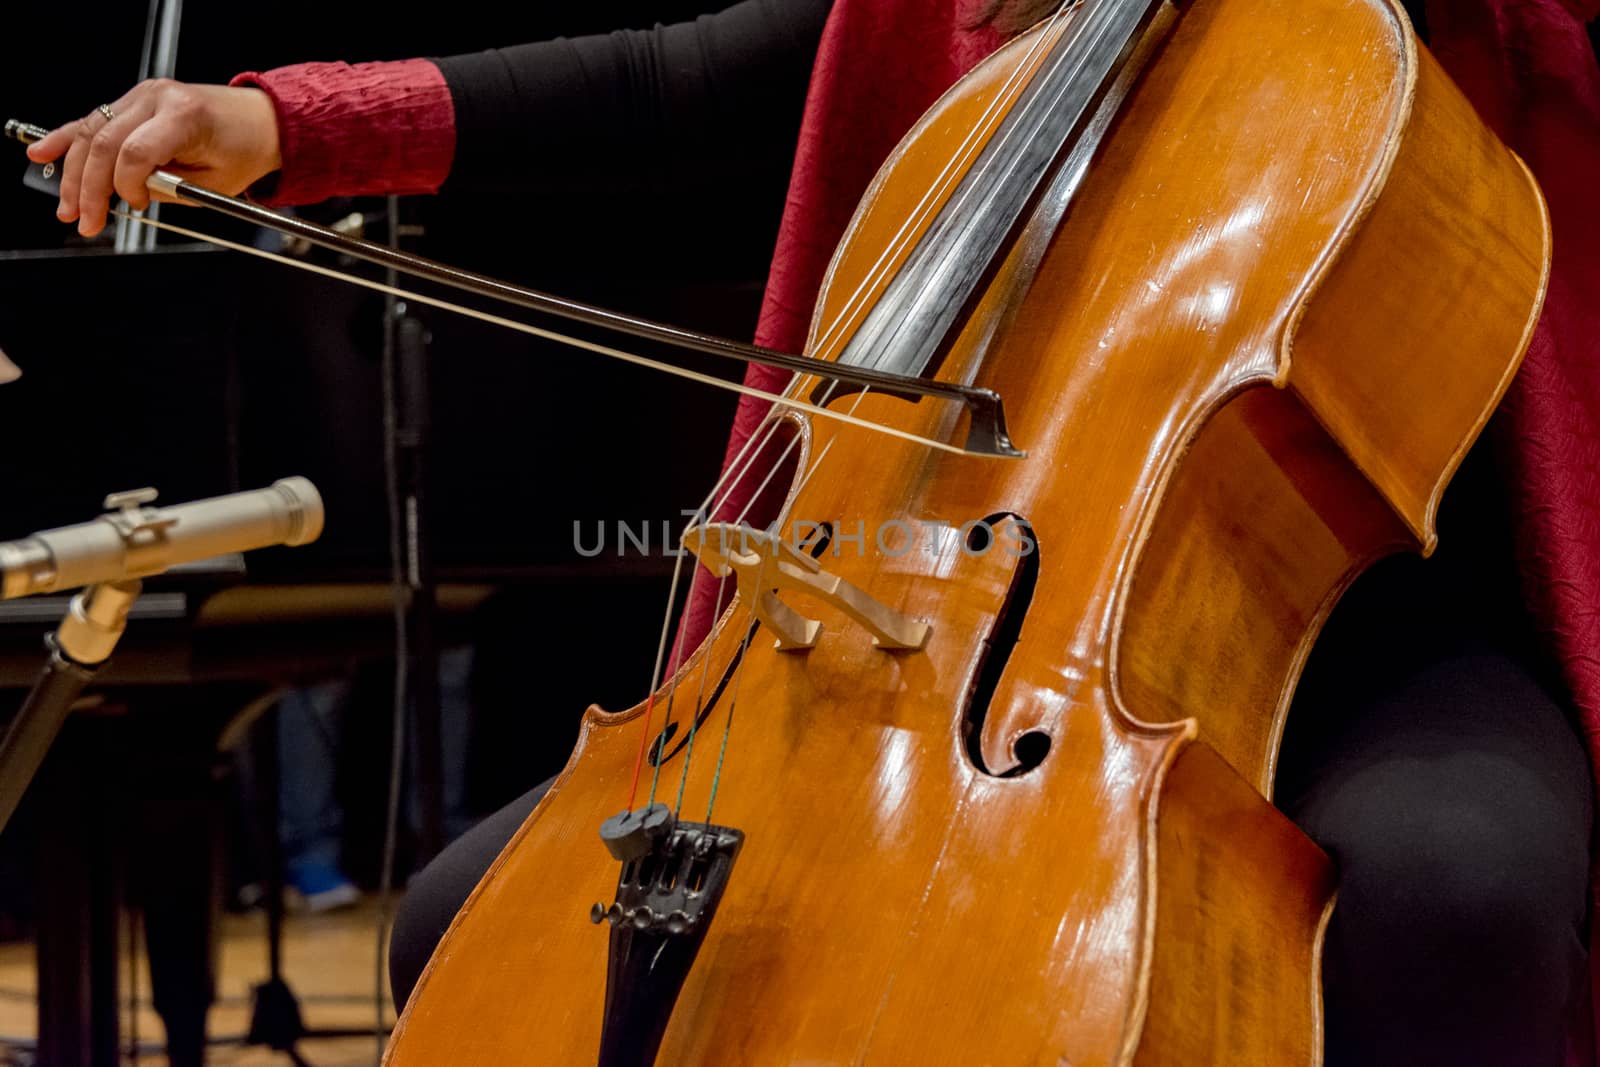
point(157, 141)
point(79, 135)
point(52, 145)
point(95, 182)
point(72, 166)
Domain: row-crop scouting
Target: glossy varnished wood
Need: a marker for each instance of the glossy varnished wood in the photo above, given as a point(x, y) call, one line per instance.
point(1228, 375)
point(1397, 361)
point(1242, 904)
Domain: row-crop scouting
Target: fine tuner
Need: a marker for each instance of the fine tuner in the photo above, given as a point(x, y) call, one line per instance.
point(986, 433)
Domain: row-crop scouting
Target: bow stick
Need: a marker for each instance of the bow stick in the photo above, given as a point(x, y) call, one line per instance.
point(986, 429)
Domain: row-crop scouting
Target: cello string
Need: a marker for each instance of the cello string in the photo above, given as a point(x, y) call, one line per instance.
point(752, 445)
point(706, 509)
point(1060, 13)
point(727, 726)
point(776, 399)
point(650, 699)
point(731, 476)
point(1070, 53)
point(901, 241)
point(733, 703)
point(749, 632)
point(672, 693)
point(825, 339)
point(694, 725)
point(801, 484)
point(738, 671)
point(770, 428)
point(913, 219)
point(840, 319)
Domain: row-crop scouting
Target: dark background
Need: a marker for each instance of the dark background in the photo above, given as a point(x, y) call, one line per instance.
point(206, 372)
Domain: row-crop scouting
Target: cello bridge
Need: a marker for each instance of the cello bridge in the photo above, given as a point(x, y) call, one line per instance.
point(765, 565)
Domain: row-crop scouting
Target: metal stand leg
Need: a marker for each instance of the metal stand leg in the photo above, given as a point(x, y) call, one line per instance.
point(77, 946)
point(422, 668)
point(275, 1020)
point(77, 942)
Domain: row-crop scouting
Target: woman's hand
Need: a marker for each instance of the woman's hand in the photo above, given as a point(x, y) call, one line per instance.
point(221, 137)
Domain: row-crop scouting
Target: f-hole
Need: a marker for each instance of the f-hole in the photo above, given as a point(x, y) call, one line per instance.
point(1032, 747)
point(819, 537)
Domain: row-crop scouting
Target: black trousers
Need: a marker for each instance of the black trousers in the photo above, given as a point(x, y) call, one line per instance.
point(1427, 755)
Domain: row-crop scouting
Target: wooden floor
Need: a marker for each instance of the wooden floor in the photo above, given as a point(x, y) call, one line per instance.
point(329, 962)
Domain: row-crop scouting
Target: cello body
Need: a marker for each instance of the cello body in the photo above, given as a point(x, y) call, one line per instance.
point(1243, 371)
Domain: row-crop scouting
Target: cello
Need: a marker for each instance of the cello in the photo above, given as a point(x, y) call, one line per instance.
point(1001, 798)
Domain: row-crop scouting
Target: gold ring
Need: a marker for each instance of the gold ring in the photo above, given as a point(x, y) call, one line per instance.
point(105, 109)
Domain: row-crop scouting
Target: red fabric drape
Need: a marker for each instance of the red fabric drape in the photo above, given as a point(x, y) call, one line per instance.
point(1529, 67)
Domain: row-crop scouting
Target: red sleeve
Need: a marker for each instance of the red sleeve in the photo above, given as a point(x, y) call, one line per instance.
point(362, 130)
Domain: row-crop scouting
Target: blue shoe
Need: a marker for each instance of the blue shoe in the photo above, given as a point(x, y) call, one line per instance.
point(315, 887)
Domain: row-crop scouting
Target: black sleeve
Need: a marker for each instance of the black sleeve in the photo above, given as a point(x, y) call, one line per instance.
point(636, 103)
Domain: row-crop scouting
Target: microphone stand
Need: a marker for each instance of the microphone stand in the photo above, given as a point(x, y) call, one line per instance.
point(407, 421)
point(410, 444)
point(81, 645)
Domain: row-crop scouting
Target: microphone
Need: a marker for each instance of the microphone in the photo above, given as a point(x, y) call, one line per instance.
point(136, 540)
